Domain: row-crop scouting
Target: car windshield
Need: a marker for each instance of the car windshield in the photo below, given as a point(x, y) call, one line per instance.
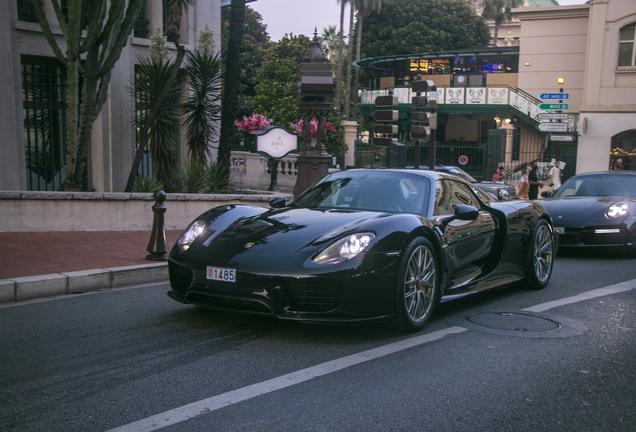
point(381, 191)
point(460, 173)
point(599, 185)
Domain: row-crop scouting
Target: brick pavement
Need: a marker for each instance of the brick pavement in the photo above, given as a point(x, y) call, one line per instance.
point(41, 253)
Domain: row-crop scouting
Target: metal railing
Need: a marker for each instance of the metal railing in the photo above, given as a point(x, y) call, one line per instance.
point(518, 99)
point(44, 92)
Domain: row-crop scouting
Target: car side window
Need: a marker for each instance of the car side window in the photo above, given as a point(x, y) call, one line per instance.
point(450, 193)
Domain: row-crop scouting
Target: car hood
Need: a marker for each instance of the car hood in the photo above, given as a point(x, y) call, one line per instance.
point(579, 208)
point(282, 231)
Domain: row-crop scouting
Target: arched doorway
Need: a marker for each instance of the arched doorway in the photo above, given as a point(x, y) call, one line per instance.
point(623, 150)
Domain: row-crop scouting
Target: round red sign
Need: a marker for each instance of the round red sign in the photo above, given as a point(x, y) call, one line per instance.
point(463, 160)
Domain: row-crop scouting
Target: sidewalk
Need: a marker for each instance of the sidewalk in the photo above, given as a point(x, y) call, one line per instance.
point(34, 264)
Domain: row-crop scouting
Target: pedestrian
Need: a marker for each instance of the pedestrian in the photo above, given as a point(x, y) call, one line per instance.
point(555, 177)
point(618, 165)
point(496, 176)
point(522, 191)
point(533, 181)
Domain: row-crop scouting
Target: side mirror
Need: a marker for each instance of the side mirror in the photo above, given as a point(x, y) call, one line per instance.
point(546, 194)
point(466, 212)
point(462, 212)
point(277, 203)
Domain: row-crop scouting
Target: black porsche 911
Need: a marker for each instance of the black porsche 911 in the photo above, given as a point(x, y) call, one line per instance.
point(361, 245)
point(595, 210)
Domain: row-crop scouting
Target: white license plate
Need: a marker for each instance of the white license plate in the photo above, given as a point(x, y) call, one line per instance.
point(221, 274)
point(559, 230)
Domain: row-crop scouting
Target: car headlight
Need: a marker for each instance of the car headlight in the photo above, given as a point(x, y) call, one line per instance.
point(344, 249)
point(617, 210)
point(195, 230)
point(502, 193)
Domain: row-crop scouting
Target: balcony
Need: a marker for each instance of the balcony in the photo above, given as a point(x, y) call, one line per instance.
point(470, 100)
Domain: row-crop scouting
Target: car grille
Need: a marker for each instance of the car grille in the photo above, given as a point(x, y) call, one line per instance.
point(180, 277)
point(588, 237)
point(315, 295)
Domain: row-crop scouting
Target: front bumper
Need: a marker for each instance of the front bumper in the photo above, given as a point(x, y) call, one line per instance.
point(327, 298)
point(596, 236)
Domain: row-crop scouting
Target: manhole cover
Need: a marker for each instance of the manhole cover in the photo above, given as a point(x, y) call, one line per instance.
point(519, 324)
point(513, 321)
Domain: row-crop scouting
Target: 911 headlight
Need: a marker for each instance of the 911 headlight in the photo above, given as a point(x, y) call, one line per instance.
point(344, 249)
point(195, 230)
point(617, 210)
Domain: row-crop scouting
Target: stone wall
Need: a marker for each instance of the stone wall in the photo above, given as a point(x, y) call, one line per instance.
point(97, 211)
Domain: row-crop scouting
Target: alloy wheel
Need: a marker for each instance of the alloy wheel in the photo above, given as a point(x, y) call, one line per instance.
point(420, 284)
point(542, 256)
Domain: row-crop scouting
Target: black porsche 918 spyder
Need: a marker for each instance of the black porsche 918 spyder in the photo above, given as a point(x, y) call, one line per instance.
point(595, 209)
point(362, 245)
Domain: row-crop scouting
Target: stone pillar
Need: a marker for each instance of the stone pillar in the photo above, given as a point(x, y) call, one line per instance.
point(509, 128)
point(350, 133)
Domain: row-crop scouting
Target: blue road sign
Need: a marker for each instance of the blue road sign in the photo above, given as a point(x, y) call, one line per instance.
point(555, 96)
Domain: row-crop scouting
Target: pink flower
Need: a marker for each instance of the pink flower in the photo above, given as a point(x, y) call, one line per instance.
point(297, 127)
point(254, 123)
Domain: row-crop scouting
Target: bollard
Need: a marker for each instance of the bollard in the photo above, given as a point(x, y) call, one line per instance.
point(157, 245)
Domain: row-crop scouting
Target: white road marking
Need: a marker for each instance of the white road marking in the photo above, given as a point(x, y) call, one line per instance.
point(204, 406)
point(601, 292)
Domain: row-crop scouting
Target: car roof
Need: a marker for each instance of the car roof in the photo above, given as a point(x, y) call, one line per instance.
point(590, 174)
point(433, 175)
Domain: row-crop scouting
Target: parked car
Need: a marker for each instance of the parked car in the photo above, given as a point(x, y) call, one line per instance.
point(501, 191)
point(595, 209)
point(361, 245)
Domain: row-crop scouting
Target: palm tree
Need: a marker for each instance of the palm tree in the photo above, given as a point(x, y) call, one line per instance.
point(348, 82)
point(231, 83)
point(364, 7)
point(201, 108)
point(151, 77)
point(175, 8)
point(499, 11)
point(340, 52)
point(329, 38)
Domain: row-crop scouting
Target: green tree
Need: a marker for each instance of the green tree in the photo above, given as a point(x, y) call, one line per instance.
point(94, 37)
point(277, 88)
point(277, 91)
point(173, 20)
point(231, 82)
point(254, 47)
point(202, 107)
point(499, 11)
point(415, 26)
point(151, 77)
point(364, 7)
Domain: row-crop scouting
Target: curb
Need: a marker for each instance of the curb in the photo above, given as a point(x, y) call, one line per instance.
point(32, 287)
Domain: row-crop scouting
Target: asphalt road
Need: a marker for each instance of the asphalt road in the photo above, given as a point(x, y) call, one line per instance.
point(133, 358)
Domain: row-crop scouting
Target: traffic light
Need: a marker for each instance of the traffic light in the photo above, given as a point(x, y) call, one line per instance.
point(387, 116)
point(423, 125)
point(420, 132)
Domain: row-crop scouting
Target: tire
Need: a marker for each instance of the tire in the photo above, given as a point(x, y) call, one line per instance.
point(541, 256)
point(417, 285)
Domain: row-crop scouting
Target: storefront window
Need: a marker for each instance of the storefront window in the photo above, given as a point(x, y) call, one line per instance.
point(623, 153)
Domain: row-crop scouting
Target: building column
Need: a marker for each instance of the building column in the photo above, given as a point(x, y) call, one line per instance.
point(350, 133)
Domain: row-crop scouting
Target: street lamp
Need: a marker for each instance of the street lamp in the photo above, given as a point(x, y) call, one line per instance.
point(315, 85)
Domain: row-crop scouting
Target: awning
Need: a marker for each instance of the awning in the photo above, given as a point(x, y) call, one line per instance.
point(371, 62)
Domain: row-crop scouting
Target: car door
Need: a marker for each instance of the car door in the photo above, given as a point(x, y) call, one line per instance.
point(467, 243)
